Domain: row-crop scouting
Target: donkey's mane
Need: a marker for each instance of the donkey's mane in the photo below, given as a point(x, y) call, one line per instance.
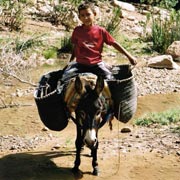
point(71, 97)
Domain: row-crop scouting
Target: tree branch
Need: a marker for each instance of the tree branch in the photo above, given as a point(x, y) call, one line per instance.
point(18, 78)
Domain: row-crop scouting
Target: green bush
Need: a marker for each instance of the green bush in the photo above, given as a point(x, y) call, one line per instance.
point(164, 118)
point(166, 31)
point(22, 45)
point(50, 53)
point(111, 23)
point(66, 45)
point(162, 3)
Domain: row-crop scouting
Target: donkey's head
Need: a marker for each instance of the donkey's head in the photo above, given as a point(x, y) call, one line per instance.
point(89, 110)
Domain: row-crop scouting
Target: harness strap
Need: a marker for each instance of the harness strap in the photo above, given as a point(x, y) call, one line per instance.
point(73, 119)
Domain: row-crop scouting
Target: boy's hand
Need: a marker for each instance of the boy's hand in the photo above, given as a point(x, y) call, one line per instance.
point(133, 60)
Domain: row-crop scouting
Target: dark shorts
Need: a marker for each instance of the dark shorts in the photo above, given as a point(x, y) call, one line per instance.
point(97, 69)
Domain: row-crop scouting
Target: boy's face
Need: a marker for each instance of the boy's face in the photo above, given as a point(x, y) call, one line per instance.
point(87, 16)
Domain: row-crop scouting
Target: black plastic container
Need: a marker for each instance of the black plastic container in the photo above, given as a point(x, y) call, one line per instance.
point(124, 92)
point(50, 102)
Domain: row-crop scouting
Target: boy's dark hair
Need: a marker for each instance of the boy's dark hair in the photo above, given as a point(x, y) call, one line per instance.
point(86, 5)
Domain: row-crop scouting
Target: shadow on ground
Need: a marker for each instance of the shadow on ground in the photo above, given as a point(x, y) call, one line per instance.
point(34, 166)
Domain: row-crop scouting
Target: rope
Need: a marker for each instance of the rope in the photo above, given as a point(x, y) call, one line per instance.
point(119, 110)
point(118, 146)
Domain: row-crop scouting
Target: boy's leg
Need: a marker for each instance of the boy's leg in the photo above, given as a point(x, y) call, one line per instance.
point(103, 70)
point(70, 71)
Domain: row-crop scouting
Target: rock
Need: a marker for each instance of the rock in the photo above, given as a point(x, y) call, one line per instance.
point(123, 5)
point(50, 62)
point(1, 10)
point(57, 146)
point(71, 20)
point(125, 130)
point(46, 10)
point(19, 93)
point(138, 30)
point(45, 129)
point(174, 50)
point(163, 61)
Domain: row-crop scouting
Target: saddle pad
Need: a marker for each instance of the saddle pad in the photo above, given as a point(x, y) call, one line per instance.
point(72, 98)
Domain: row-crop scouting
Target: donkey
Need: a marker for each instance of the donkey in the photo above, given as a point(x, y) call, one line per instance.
point(92, 106)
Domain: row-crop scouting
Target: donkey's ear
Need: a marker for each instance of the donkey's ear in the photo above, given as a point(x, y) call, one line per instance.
point(78, 85)
point(99, 85)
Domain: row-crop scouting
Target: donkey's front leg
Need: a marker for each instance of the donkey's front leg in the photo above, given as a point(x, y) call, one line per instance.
point(94, 160)
point(79, 144)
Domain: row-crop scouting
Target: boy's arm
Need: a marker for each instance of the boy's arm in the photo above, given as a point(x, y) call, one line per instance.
point(118, 47)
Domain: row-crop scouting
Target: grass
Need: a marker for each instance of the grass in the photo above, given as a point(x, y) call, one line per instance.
point(163, 118)
point(51, 52)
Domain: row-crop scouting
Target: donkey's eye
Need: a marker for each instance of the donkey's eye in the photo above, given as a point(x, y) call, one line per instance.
point(98, 113)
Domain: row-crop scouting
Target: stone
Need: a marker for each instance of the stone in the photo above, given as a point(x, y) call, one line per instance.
point(123, 5)
point(174, 50)
point(162, 61)
point(125, 130)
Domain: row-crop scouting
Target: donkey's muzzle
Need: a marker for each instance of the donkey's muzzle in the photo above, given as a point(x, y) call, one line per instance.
point(90, 138)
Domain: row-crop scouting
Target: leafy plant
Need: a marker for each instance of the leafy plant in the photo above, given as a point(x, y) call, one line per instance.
point(164, 32)
point(58, 14)
point(112, 23)
point(28, 44)
point(164, 118)
point(75, 2)
point(62, 10)
point(50, 53)
point(162, 3)
point(13, 14)
point(66, 45)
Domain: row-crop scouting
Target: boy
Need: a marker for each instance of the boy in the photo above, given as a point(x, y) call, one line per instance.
point(88, 40)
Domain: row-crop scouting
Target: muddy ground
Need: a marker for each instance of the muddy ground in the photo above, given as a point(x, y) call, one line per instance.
point(28, 151)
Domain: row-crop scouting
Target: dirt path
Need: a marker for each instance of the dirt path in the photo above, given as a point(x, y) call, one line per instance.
point(142, 154)
point(126, 163)
point(55, 165)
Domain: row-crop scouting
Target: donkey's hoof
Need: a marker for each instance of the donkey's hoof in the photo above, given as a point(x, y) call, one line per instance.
point(77, 173)
point(96, 172)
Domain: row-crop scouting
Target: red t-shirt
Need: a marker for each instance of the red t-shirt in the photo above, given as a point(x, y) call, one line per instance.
point(89, 43)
